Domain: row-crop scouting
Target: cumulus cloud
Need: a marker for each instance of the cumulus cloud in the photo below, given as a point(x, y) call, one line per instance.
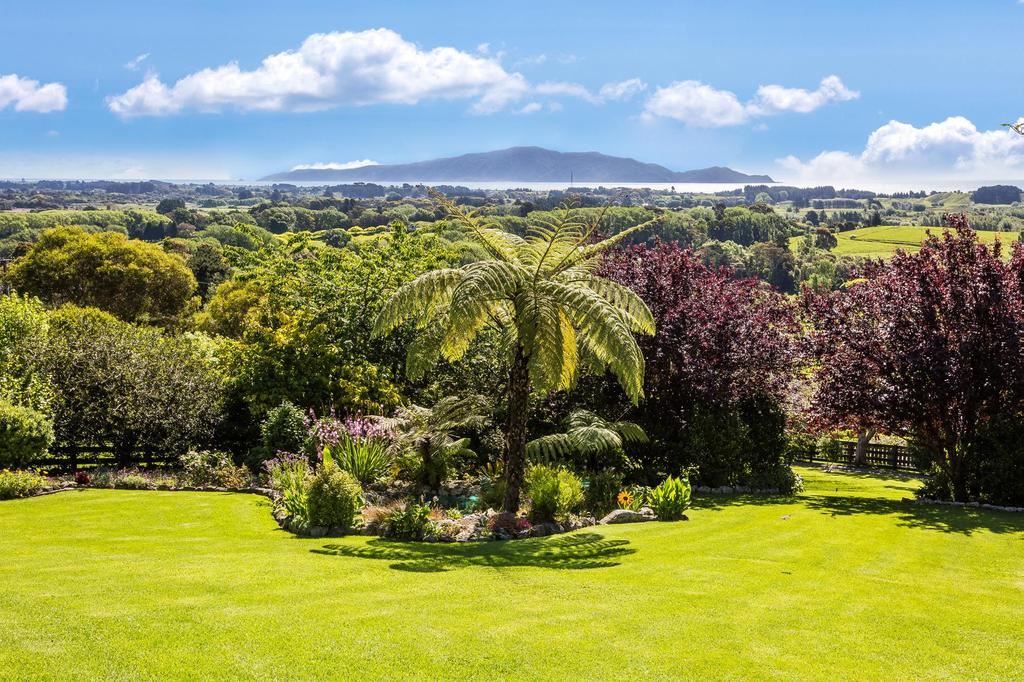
point(335, 166)
point(622, 90)
point(330, 70)
point(947, 149)
point(26, 94)
point(701, 105)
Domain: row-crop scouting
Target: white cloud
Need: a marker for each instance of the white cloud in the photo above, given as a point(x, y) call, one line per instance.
point(134, 64)
point(331, 70)
point(29, 95)
point(622, 90)
point(335, 166)
point(532, 60)
point(953, 148)
point(775, 98)
point(701, 105)
point(531, 108)
point(696, 104)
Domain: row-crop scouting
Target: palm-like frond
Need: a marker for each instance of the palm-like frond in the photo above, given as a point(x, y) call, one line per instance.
point(587, 435)
point(542, 295)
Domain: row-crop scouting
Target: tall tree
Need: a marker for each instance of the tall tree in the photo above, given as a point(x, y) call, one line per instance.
point(542, 294)
point(928, 345)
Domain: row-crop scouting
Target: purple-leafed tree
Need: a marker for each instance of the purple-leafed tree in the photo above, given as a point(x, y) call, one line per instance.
point(723, 345)
point(927, 345)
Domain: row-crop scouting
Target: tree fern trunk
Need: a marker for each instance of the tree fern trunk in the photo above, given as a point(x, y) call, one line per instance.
point(515, 431)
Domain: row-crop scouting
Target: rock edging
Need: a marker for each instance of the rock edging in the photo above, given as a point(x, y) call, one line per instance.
point(970, 505)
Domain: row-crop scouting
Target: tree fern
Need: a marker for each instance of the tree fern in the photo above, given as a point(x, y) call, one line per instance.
point(542, 295)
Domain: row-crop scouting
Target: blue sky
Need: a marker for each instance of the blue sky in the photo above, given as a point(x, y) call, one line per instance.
point(795, 89)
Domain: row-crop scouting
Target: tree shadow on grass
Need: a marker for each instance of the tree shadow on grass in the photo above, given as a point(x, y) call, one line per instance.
point(948, 519)
point(577, 551)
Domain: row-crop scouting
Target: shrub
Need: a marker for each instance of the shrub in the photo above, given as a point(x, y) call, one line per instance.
point(509, 522)
point(82, 478)
point(20, 484)
point(670, 498)
point(130, 479)
point(334, 498)
point(780, 477)
point(25, 435)
point(290, 475)
point(367, 459)
point(553, 492)
point(602, 492)
point(410, 522)
point(213, 469)
point(284, 429)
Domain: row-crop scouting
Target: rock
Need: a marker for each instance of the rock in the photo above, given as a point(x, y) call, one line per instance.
point(624, 516)
point(318, 531)
point(647, 511)
point(337, 531)
point(544, 529)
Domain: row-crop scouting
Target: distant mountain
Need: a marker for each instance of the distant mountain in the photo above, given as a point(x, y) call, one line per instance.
point(520, 164)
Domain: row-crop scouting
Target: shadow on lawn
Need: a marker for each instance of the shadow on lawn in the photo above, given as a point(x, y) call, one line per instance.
point(964, 520)
point(944, 518)
point(577, 551)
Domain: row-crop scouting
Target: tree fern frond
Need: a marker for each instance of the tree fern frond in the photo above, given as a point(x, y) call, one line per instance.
point(625, 300)
point(586, 253)
point(418, 300)
point(499, 244)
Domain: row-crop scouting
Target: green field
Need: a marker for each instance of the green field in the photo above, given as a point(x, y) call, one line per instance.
point(844, 582)
point(882, 242)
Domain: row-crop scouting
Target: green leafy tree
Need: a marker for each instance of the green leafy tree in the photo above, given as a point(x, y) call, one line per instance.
point(541, 293)
point(133, 280)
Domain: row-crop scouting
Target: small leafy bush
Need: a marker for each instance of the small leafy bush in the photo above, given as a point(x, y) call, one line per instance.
point(82, 478)
point(602, 492)
point(290, 476)
point(410, 522)
point(334, 498)
point(133, 481)
point(777, 477)
point(553, 492)
point(20, 484)
point(213, 469)
point(284, 429)
point(25, 435)
point(670, 498)
point(367, 459)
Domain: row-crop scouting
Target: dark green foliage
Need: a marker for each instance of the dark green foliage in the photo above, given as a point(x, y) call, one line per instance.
point(25, 435)
point(130, 387)
point(334, 498)
point(284, 429)
point(602, 490)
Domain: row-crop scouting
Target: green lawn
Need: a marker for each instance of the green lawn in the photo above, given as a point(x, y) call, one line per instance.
point(882, 242)
point(845, 582)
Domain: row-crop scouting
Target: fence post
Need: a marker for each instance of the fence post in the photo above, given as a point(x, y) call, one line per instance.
point(74, 459)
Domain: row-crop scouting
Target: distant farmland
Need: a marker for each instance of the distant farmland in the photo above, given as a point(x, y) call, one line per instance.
point(882, 242)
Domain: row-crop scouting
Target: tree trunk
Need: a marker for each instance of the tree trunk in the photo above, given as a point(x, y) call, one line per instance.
point(515, 431)
point(864, 437)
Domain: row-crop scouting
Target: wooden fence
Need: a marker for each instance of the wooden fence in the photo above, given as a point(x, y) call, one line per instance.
point(875, 454)
point(65, 460)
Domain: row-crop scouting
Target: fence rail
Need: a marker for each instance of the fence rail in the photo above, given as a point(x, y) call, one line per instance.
point(875, 455)
point(65, 459)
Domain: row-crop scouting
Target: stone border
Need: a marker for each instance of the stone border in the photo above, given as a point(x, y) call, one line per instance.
point(969, 505)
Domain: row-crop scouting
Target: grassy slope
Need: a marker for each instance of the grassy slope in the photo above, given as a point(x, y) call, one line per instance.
point(845, 582)
point(881, 242)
